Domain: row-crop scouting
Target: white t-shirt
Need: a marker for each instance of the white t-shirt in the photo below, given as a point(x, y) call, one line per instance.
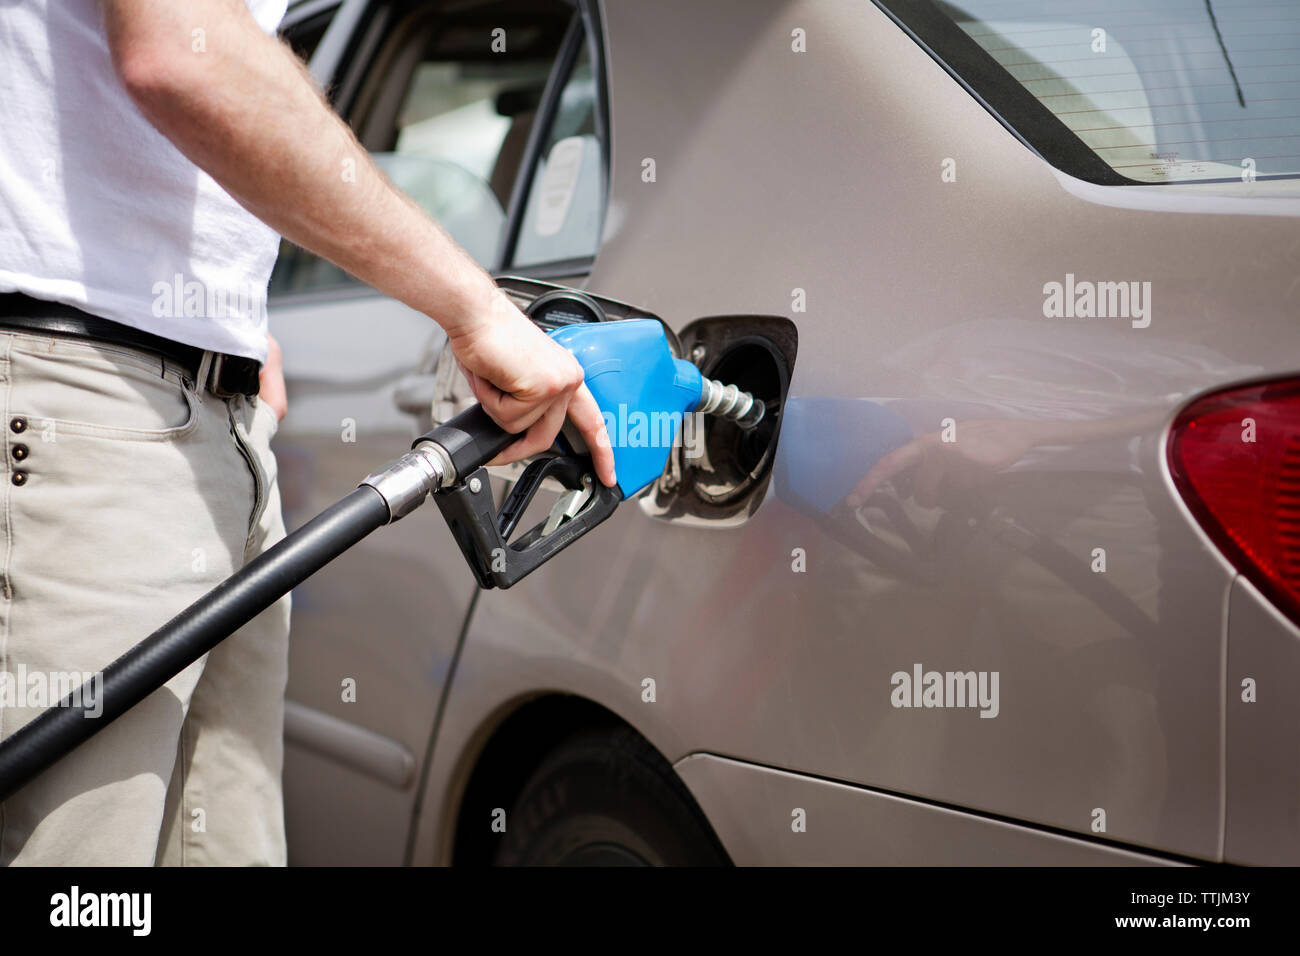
point(99, 210)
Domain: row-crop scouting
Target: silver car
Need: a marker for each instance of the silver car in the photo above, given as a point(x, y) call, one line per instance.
point(1011, 571)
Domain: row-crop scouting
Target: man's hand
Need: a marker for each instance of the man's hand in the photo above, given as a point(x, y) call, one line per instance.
point(528, 384)
point(271, 381)
point(246, 112)
point(983, 449)
point(987, 447)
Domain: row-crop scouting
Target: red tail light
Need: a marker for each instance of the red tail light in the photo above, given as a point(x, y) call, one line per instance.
point(1246, 493)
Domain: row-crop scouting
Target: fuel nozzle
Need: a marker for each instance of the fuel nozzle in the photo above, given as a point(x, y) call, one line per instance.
point(729, 402)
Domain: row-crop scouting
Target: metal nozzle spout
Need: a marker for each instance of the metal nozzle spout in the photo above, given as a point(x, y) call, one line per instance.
point(729, 402)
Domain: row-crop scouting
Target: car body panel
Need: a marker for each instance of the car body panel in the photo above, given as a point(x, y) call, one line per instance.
point(373, 632)
point(1263, 732)
point(1111, 697)
point(775, 818)
point(778, 172)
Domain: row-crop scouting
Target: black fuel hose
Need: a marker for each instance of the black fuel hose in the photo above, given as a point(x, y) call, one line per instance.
point(464, 444)
point(189, 635)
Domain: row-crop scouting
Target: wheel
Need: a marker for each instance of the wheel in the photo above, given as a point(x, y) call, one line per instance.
point(606, 798)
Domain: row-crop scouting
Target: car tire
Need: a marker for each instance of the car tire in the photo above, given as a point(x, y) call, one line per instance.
point(606, 799)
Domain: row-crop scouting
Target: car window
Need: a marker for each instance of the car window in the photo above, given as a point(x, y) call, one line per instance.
point(1118, 92)
point(562, 214)
point(446, 109)
point(305, 25)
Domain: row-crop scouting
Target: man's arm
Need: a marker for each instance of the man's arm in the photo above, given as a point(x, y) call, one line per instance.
point(247, 113)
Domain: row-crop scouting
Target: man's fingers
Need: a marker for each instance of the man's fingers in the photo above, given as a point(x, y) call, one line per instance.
point(507, 411)
point(518, 412)
point(540, 399)
point(514, 415)
point(586, 417)
point(538, 438)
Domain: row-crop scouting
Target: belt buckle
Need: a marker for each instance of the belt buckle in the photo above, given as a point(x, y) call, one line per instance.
point(241, 373)
point(214, 376)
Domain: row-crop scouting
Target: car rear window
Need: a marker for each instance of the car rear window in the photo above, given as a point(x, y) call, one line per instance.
point(1120, 92)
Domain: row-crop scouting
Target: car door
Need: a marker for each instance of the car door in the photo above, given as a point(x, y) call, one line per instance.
point(452, 103)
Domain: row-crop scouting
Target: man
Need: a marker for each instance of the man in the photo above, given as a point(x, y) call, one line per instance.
point(143, 140)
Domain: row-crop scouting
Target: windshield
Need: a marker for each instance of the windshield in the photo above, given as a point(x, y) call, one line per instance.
point(1121, 92)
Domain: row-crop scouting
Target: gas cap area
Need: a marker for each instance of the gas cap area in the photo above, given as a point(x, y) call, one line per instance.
point(719, 469)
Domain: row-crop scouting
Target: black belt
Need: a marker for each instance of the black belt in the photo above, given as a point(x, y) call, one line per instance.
point(230, 374)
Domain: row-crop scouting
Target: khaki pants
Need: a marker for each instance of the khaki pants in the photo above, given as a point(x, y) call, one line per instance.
point(125, 495)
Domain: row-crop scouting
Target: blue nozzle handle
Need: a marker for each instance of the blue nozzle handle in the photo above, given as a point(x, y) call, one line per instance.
point(643, 391)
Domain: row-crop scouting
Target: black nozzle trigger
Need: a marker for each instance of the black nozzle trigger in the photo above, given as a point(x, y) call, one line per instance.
point(568, 471)
point(483, 535)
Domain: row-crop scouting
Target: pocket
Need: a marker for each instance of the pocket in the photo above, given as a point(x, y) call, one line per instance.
point(270, 422)
point(66, 388)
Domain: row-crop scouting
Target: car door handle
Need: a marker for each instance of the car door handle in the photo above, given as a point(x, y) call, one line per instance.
point(416, 393)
